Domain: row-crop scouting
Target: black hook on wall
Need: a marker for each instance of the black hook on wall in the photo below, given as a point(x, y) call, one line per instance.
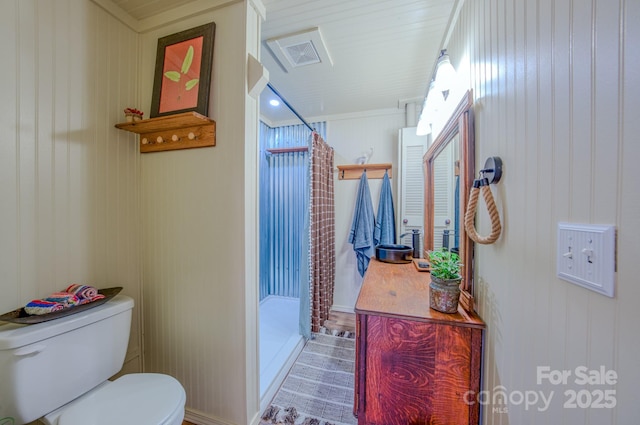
point(492, 171)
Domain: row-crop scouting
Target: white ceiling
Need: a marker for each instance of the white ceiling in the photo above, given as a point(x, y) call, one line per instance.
point(383, 51)
point(141, 9)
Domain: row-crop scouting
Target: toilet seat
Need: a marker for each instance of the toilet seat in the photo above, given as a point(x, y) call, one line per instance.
point(136, 399)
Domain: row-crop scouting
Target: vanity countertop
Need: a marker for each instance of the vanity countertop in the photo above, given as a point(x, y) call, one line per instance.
point(399, 290)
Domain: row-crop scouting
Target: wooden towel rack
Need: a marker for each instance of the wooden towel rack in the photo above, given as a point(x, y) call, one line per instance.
point(354, 172)
point(170, 132)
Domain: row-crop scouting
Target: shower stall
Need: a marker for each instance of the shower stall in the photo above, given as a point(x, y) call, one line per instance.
point(284, 207)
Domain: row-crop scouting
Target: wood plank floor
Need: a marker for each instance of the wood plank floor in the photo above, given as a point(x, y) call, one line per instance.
point(340, 321)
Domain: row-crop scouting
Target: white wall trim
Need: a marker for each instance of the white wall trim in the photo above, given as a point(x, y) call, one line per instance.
point(267, 121)
point(200, 418)
point(179, 13)
point(115, 11)
point(453, 20)
point(337, 117)
point(342, 308)
point(259, 7)
point(182, 13)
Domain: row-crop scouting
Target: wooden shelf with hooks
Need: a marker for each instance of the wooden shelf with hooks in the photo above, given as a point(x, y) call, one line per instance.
point(180, 131)
point(353, 172)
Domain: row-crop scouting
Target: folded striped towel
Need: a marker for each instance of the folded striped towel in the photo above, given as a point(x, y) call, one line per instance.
point(72, 296)
point(65, 298)
point(37, 307)
point(85, 293)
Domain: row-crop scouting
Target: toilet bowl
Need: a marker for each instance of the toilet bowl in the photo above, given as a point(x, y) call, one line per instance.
point(58, 371)
point(137, 399)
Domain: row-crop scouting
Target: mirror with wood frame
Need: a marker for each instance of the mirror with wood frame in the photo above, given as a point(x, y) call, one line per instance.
point(449, 170)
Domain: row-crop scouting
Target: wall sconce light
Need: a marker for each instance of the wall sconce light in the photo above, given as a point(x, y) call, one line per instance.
point(445, 74)
point(424, 124)
point(442, 80)
point(430, 107)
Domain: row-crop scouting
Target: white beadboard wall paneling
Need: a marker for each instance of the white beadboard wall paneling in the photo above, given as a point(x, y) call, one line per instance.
point(554, 83)
point(9, 159)
point(70, 181)
point(196, 229)
point(26, 149)
point(350, 136)
point(629, 211)
point(255, 14)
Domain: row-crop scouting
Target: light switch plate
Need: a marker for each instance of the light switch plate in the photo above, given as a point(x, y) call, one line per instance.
point(586, 256)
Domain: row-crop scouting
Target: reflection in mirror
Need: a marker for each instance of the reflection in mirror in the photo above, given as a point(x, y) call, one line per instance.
point(446, 202)
point(449, 169)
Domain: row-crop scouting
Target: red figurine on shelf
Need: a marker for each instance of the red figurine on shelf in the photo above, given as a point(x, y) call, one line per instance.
point(133, 114)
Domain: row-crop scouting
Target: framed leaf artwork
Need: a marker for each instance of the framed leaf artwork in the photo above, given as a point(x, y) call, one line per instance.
point(183, 72)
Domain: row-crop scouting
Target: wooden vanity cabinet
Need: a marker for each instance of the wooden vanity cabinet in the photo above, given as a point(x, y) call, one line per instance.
point(414, 365)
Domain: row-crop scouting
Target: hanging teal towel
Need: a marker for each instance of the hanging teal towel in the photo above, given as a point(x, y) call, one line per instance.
point(362, 227)
point(385, 231)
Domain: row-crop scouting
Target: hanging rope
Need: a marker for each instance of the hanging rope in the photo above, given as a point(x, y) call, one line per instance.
point(469, 216)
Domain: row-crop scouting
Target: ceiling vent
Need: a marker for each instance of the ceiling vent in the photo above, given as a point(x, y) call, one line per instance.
point(300, 49)
point(302, 54)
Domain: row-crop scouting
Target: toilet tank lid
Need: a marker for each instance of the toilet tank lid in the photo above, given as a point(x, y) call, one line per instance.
point(14, 336)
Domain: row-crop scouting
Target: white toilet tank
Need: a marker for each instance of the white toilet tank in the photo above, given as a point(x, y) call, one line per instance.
point(46, 365)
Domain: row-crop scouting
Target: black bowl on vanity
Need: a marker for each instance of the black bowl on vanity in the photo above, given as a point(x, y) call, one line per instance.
point(391, 253)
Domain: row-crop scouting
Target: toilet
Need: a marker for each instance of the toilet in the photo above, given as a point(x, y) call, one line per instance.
point(57, 371)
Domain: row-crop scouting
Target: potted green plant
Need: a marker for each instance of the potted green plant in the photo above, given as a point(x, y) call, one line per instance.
point(444, 289)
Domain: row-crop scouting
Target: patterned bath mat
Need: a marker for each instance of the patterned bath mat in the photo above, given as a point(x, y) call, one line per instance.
point(319, 387)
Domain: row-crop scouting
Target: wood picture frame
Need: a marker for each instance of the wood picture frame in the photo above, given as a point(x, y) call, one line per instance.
point(182, 79)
